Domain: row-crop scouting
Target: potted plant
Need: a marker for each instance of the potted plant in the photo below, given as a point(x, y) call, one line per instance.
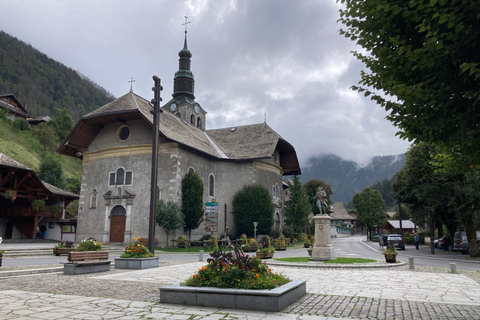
point(243, 239)
point(38, 205)
point(136, 256)
point(1, 256)
point(89, 244)
point(280, 243)
point(390, 254)
point(10, 195)
point(64, 247)
point(266, 249)
point(181, 241)
point(57, 211)
point(251, 246)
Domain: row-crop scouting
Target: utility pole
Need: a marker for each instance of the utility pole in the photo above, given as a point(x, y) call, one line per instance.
point(153, 188)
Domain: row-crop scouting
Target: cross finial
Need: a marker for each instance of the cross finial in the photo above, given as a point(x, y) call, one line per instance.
point(131, 84)
point(185, 24)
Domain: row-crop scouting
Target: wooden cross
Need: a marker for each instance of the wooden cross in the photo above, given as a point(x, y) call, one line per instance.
point(185, 24)
point(131, 84)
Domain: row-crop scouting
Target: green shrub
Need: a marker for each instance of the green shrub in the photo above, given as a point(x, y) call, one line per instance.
point(89, 244)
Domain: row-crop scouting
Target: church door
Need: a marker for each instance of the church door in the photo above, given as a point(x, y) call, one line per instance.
point(117, 224)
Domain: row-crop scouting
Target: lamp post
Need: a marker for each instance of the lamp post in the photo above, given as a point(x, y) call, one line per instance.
point(255, 230)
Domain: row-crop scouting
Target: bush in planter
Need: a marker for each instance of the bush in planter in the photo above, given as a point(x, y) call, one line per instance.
point(89, 244)
point(181, 241)
point(136, 250)
point(243, 239)
point(227, 269)
point(65, 244)
point(251, 245)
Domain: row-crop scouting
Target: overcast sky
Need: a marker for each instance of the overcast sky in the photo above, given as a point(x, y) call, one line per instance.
point(281, 58)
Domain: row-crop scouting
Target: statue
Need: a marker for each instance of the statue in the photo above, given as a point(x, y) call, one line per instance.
point(322, 200)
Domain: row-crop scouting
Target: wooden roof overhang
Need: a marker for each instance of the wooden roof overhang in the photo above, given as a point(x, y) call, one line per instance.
point(24, 181)
point(288, 158)
point(87, 129)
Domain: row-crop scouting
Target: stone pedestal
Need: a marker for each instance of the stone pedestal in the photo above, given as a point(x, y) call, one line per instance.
point(323, 249)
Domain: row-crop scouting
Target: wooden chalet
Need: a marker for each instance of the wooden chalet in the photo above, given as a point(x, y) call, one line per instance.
point(19, 189)
point(13, 106)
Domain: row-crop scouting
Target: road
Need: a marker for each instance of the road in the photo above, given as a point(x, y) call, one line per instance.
point(357, 246)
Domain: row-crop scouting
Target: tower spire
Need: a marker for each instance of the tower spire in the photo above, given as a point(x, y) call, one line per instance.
point(183, 82)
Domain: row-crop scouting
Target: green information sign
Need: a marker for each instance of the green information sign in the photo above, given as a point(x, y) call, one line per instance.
point(211, 204)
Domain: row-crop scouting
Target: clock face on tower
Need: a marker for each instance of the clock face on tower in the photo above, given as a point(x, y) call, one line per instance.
point(197, 108)
point(173, 107)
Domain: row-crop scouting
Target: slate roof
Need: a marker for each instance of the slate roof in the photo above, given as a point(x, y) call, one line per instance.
point(340, 213)
point(257, 141)
point(6, 161)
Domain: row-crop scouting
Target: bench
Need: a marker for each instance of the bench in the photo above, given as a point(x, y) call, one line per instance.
point(144, 241)
point(80, 262)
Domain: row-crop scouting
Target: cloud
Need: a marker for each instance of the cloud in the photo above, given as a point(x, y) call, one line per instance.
point(281, 58)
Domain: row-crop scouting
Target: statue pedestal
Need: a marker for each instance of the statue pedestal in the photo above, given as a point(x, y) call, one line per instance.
point(322, 249)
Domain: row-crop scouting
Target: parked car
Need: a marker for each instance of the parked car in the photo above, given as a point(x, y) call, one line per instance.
point(460, 242)
point(443, 242)
point(396, 240)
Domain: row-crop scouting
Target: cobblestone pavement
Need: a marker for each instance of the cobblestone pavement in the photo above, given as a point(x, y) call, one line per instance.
point(400, 293)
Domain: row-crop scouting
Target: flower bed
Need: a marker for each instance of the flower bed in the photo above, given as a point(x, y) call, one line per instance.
point(235, 280)
point(136, 256)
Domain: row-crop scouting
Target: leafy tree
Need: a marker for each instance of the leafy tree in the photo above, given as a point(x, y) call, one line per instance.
point(311, 188)
point(370, 208)
point(424, 54)
point(46, 136)
point(21, 124)
point(437, 196)
point(299, 207)
point(253, 203)
point(62, 123)
point(51, 171)
point(168, 216)
point(192, 201)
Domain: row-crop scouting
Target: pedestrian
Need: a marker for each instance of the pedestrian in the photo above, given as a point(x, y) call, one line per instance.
point(381, 242)
point(416, 239)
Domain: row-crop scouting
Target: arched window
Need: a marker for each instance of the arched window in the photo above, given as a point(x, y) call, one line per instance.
point(199, 122)
point(121, 177)
point(192, 119)
point(211, 185)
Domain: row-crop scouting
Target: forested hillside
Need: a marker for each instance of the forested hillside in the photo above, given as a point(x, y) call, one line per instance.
point(346, 177)
point(43, 84)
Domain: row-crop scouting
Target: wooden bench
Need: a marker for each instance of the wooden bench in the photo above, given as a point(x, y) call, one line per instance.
point(144, 241)
point(80, 262)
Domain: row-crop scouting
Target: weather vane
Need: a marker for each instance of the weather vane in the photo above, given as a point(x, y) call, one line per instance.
point(185, 24)
point(131, 84)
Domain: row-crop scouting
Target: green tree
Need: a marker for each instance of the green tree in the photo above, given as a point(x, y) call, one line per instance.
point(253, 203)
point(299, 208)
point(51, 171)
point(168, 216)
point(370, 208)
point(192, 201)
point(46, 136)
point(311, 188)
point(62, 123)
point(424, 54)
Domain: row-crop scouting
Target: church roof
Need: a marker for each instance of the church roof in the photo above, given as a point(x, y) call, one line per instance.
point(255, 141)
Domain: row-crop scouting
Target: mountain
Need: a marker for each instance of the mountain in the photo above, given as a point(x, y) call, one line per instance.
point(347, 177)
point(43, 84)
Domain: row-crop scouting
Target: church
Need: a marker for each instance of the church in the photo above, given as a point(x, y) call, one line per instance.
point(114, 143)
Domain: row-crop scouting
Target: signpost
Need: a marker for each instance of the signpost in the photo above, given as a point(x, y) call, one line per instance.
point(211, 217)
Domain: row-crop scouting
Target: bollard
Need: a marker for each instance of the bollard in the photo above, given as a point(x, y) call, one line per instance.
point(200, 255)
point(453, 267)
point(411, 262)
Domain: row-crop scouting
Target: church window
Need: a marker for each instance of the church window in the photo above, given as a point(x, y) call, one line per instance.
point(275, 191)
point(123, 133)
point(211, 185)
point(192, 119)
point(199, 122)
point(120, 178)
point(93, 198)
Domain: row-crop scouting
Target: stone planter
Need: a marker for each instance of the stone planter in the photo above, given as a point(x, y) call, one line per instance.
point(136, 263)
point(390, 257)
point(265, 300)
point(59, 251)
point(262, 255)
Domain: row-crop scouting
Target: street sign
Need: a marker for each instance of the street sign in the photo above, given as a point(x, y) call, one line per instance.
point(211, 204)
point(211, 229)
point(211, 217)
